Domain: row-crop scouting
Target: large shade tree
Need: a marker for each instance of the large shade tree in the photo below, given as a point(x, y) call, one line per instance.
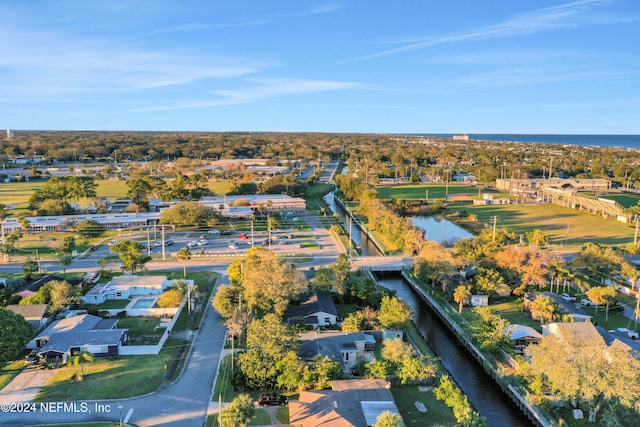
point(581, 368)
point(15, 333)
point(268, 282)
point(131, 254)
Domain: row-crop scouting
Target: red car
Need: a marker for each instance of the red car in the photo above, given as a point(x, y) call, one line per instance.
point(242, 236)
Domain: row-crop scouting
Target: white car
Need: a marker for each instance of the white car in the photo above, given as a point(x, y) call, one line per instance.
point(632, 334)
point(232, 246)
point(587, 302)
point(202, 242)
point(568, 297)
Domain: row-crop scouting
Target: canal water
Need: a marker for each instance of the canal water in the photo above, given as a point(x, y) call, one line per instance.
point(440, 230)
point(483, 393)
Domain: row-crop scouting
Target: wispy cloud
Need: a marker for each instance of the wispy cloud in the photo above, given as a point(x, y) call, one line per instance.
point(539, 75)
point(257, 90)
point(329, 8)
point(203, 27)
point(65, 66)
point(534, 21)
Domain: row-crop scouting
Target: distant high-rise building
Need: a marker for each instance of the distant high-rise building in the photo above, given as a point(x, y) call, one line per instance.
point(10, 134)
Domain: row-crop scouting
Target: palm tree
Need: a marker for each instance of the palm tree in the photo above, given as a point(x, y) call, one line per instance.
point(184, 255)
point(544, 308)
point(79, 359)
point(388, 419)
point(461, 295)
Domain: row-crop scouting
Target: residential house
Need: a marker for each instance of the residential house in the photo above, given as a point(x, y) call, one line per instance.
point(349, 403)
point(66, 337)
point(36, 314)
point(339, 346)
point(574, 331)
point(314, 310)
point(127, 286)
point(521, 336)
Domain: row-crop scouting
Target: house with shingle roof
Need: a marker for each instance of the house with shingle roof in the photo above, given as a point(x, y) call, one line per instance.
point(66, 337)
point(314, 310)
point(349, 403)
point(342, 347)
point(35, 314)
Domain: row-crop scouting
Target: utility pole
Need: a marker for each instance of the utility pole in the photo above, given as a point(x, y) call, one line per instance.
point(495, 220)
point(350, 236)
point(635, 235)
point(163, 247)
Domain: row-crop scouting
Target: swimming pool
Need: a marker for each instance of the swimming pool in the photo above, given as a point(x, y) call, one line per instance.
point(144, 303)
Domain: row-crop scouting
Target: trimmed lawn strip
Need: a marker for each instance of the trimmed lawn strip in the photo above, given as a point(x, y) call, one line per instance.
point(125, 376)
point(110, 304)
point(282, 415)
point(10, 370)
point(314, 196)
point(261, 418)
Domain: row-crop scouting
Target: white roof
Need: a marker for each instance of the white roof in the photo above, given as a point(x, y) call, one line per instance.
point(521, 331)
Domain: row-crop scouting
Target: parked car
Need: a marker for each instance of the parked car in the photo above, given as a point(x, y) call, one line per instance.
point(227, 232)
point(214, 231)
point(232, 246)
point(272, 399)
point(587, 302)
point(242, 236)
point(168, 242)
point(568, 297)
point(202, 242)
point(632, 334)
point(157, 243)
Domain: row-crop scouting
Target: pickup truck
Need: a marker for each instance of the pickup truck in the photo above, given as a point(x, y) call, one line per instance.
point(568, 297)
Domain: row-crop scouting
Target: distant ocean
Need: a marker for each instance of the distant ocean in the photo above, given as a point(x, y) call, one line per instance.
point(627, 141)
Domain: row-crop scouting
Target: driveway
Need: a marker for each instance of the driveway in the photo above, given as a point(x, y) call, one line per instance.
point(24, 386)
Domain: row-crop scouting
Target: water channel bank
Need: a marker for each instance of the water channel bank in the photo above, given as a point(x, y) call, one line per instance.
point(498, 403)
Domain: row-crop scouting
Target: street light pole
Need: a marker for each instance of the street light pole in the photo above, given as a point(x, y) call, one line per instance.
point(120, 414)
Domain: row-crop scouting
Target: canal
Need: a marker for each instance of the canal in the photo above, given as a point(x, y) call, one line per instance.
point(483, 393)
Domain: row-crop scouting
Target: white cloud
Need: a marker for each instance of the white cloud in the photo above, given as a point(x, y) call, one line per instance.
point(259, 89)
point(534, 21)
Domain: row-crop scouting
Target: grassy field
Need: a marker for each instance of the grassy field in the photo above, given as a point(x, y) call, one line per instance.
point(418, 191)
point(625, 199)
point(560, 224)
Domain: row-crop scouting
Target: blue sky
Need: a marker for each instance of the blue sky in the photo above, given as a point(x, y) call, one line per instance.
point(414, 66)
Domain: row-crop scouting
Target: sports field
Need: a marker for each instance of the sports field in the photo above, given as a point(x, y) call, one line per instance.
point(625, 199)
point(419, 191)
point(559, 223)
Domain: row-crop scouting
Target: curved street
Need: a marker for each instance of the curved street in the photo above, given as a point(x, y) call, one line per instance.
point(186, 402)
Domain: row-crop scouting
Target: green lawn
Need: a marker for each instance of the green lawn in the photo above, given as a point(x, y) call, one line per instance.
point(437, 412)
point(625, 199)
point(10, 370)
point(122, 377)
point(18, 193)
point(553, 220)
point(110, 304)
point(418, 191)
point(314, 197)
